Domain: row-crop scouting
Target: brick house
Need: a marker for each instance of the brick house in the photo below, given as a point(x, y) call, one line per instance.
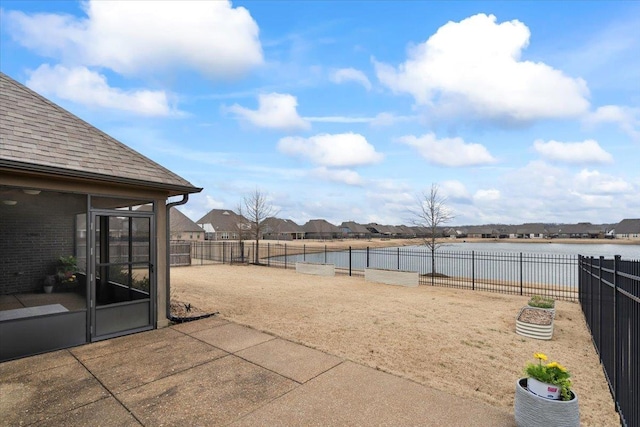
point(69, 190)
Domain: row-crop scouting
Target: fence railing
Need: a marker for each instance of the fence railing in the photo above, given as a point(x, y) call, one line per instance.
point(512, 273)
point(610, 300)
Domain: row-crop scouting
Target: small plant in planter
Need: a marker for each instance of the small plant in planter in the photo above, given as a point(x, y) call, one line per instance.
point(66, 269)
point(542, 302)
point(553, 376)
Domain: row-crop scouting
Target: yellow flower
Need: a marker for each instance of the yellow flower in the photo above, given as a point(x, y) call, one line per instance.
point(540, 356)
point(553, 365)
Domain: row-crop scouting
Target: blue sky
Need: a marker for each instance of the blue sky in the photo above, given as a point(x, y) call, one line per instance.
point(518, 111)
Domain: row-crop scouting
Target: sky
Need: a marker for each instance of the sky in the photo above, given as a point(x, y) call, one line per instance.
point(351, 110)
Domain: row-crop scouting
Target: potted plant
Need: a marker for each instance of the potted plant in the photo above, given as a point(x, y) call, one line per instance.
point(544, 397)
point(539, 301)
point(66, 269)
point(49, 283)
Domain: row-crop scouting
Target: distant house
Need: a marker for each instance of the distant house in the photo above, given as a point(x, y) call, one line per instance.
point(184, 229)
point(627, 229)
point(321, 229)
point(281, 229)
point(353, 230)
point(530, 231)
point(224, 224)
point(482, 232)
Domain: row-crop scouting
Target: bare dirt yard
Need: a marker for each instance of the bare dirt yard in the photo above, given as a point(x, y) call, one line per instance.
point(460, 341)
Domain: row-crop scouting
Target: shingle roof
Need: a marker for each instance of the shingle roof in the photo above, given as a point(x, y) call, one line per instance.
point(181, 222)
point(628, 226)
point(355, 227)
point(320, 226)
point(38, 135)
point(277, 225)
point(223, 220)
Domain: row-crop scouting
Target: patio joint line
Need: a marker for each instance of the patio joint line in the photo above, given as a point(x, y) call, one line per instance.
point(109, 392)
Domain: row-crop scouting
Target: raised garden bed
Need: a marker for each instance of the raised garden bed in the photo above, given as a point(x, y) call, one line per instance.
point(533, 322)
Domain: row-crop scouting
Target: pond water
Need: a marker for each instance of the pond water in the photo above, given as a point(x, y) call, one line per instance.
point(587, 249)
point(539, 263)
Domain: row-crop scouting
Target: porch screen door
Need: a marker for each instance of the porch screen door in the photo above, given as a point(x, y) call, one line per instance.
point(123, 281)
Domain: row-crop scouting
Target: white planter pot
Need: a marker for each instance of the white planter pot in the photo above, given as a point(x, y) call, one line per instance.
point(535, 411)
point(548, 391)
point(48, 289)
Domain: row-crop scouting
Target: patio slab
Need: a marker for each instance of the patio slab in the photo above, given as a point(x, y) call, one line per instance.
point(290, 360)
point(151, 362)
point(34, 364)
point(215, 393)
point(102, 413)
point(232, 337)
point(355, 395)
point(125, 343)
point(198, 325)
point(36, 396)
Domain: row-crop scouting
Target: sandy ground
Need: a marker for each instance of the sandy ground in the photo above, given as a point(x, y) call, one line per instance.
point(460, 341)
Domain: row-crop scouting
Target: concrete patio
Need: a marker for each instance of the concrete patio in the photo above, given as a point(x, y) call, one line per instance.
point(214, 372)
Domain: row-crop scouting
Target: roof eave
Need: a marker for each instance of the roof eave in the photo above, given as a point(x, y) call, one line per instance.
point(173, 189)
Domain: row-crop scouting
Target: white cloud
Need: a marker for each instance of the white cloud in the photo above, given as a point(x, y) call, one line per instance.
point(345, 176)
point(627, 119)
point(138, 37)
point(596, 183)
point(344, 75)
point(454, 190)
point(490, 195)
point(474, 65)
point(338, 150)
point(339, 119)
point(452, 152)
point(211, 203)
point(275, 111)
point(389, 119)
point(588, 151)
point(89, 88)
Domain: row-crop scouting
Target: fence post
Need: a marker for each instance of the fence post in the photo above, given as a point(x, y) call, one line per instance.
point(349, 260)
point(223, 251)
point(304, 253)
point(473, 270)
point(268, 254)
point(325, 254)
point(520, 273)
point(616, 333)
point(367, 256)
point(285, 256)
point(600, 307)
point(398, 258)
point(230, 259)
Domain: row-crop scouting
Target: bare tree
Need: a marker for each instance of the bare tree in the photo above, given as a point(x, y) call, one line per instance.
point(256, 208)
point(431, 213)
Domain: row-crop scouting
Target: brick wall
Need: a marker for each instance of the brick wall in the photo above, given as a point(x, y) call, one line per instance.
point(31, 240)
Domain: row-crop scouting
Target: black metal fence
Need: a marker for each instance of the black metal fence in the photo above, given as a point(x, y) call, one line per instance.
point(610, 300)
point(511, 273)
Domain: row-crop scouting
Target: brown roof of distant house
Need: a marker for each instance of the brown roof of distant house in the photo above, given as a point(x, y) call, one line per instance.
point(37, 135)
point(320, 226)
point(355, 227)
point(278, 225)
point(628, 226)
point(223, 220)
point(181, 222)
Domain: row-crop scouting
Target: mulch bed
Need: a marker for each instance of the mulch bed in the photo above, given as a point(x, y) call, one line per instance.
point(536, 316)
